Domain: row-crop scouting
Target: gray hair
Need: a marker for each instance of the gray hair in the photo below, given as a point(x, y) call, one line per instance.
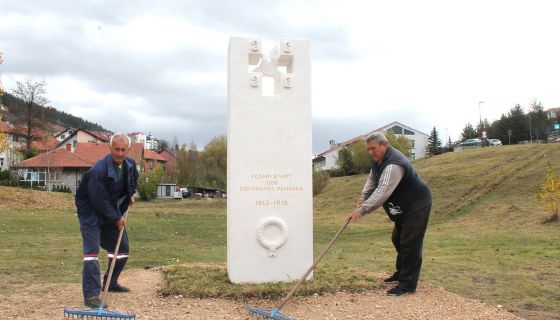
point(119, 136)
point(377, 136)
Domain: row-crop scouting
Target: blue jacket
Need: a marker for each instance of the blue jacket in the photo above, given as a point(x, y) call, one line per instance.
point(95, 204)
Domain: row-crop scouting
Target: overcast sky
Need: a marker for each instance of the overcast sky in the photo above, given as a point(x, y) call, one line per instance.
point(161, 66)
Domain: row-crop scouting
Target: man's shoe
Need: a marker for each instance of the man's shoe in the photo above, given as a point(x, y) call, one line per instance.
point(392, 278)
point(398, 291)
point(93, 302)
point(119, 288)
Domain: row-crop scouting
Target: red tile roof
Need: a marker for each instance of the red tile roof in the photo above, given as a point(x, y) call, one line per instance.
point(92, 151)
point(152, 155)
point(102, 135)
point(58, 158)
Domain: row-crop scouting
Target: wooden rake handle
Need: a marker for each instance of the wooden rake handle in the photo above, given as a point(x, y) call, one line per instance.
point(300, 282)
point(113, 262)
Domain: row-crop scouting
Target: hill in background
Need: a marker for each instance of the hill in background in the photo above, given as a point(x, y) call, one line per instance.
point(487, 238)
point(56, 119)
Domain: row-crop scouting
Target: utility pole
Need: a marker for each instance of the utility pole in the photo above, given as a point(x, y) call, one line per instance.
point(530, 129)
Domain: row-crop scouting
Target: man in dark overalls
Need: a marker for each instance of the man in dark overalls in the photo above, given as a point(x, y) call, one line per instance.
point(105, 193)
point(407, 200)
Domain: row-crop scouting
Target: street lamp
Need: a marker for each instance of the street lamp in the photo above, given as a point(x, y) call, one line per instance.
point(480, 114)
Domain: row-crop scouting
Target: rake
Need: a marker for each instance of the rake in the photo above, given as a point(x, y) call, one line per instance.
point(275, 313)
point(101, 313)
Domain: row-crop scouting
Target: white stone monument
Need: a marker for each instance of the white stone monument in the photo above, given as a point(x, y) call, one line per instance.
point(269, 207)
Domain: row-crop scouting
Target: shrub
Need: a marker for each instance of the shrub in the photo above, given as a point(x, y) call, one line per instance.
point(320, 181)
point(549, 193)
point(147, 183)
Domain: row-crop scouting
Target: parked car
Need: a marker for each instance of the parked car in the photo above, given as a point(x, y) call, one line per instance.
point(471, 142)
point(495, 142)
point(185, 193)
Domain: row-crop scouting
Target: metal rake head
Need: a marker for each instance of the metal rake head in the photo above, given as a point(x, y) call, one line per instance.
point(268, 313)
point(97, 313)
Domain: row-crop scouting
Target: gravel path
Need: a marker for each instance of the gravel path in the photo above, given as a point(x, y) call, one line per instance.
point(430, 302)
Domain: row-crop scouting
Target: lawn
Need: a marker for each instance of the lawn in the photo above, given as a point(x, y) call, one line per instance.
point(487, 238)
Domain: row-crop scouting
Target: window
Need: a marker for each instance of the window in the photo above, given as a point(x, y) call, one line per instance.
point(319, 163)
point(74, 144)
point(34, 177)
point(54, 175)
point(412, 156)
point(1, 162)
point(412, 143)
point(397, 130)
point(408, 132)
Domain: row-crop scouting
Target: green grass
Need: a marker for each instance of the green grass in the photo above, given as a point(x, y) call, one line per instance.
point(486, 239)
point(211, 281)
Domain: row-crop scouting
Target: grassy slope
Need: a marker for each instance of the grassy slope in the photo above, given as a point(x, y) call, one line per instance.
point(486, 239)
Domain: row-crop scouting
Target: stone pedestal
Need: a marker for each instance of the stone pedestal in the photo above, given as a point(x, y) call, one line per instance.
point(269, 207)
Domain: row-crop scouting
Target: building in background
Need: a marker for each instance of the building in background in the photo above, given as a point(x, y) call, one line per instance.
point(419, 141)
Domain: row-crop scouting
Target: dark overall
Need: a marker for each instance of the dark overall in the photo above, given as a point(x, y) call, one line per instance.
point(102, 197)
point(409, 208)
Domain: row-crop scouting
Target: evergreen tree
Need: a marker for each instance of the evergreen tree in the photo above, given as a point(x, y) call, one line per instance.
point(344, 161)
point(434, 143)
point(468, 132)
point(539, 122)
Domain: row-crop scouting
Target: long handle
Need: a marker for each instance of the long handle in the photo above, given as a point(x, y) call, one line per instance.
point(113, 262)
point(294, 289)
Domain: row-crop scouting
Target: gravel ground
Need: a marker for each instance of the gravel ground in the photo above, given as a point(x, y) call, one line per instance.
point(47, 301)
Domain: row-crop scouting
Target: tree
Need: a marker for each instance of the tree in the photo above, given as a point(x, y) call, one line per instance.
point(400, 143)
point(188, 166)
point(4, 143)
point(344, 161)
point(468, 132)
point(147, 183)
point(360, 157)
point(31, 93)
point(214, 159)
point(539, 122)
point(434, 143)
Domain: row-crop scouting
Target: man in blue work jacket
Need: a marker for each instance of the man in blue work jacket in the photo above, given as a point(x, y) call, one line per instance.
point(105, 193)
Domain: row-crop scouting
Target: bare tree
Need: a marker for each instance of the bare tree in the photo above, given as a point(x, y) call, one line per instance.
point(32, 95)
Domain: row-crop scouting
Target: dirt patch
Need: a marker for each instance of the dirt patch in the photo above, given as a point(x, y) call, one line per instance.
point(16, 198)
point(430, 302)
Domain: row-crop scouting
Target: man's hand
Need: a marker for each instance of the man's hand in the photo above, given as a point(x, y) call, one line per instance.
point(360, 201)
point(132, 200)
point(354, 215)
point(120, 223)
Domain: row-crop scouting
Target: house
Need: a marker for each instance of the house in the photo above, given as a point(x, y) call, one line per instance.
point(81, 135)
point(65, 166)
point(553, 113)
point(419, 140)
point(58, 167)
point(61, 136)
point(170, 158)
point(149, 141)
point(152, 159)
